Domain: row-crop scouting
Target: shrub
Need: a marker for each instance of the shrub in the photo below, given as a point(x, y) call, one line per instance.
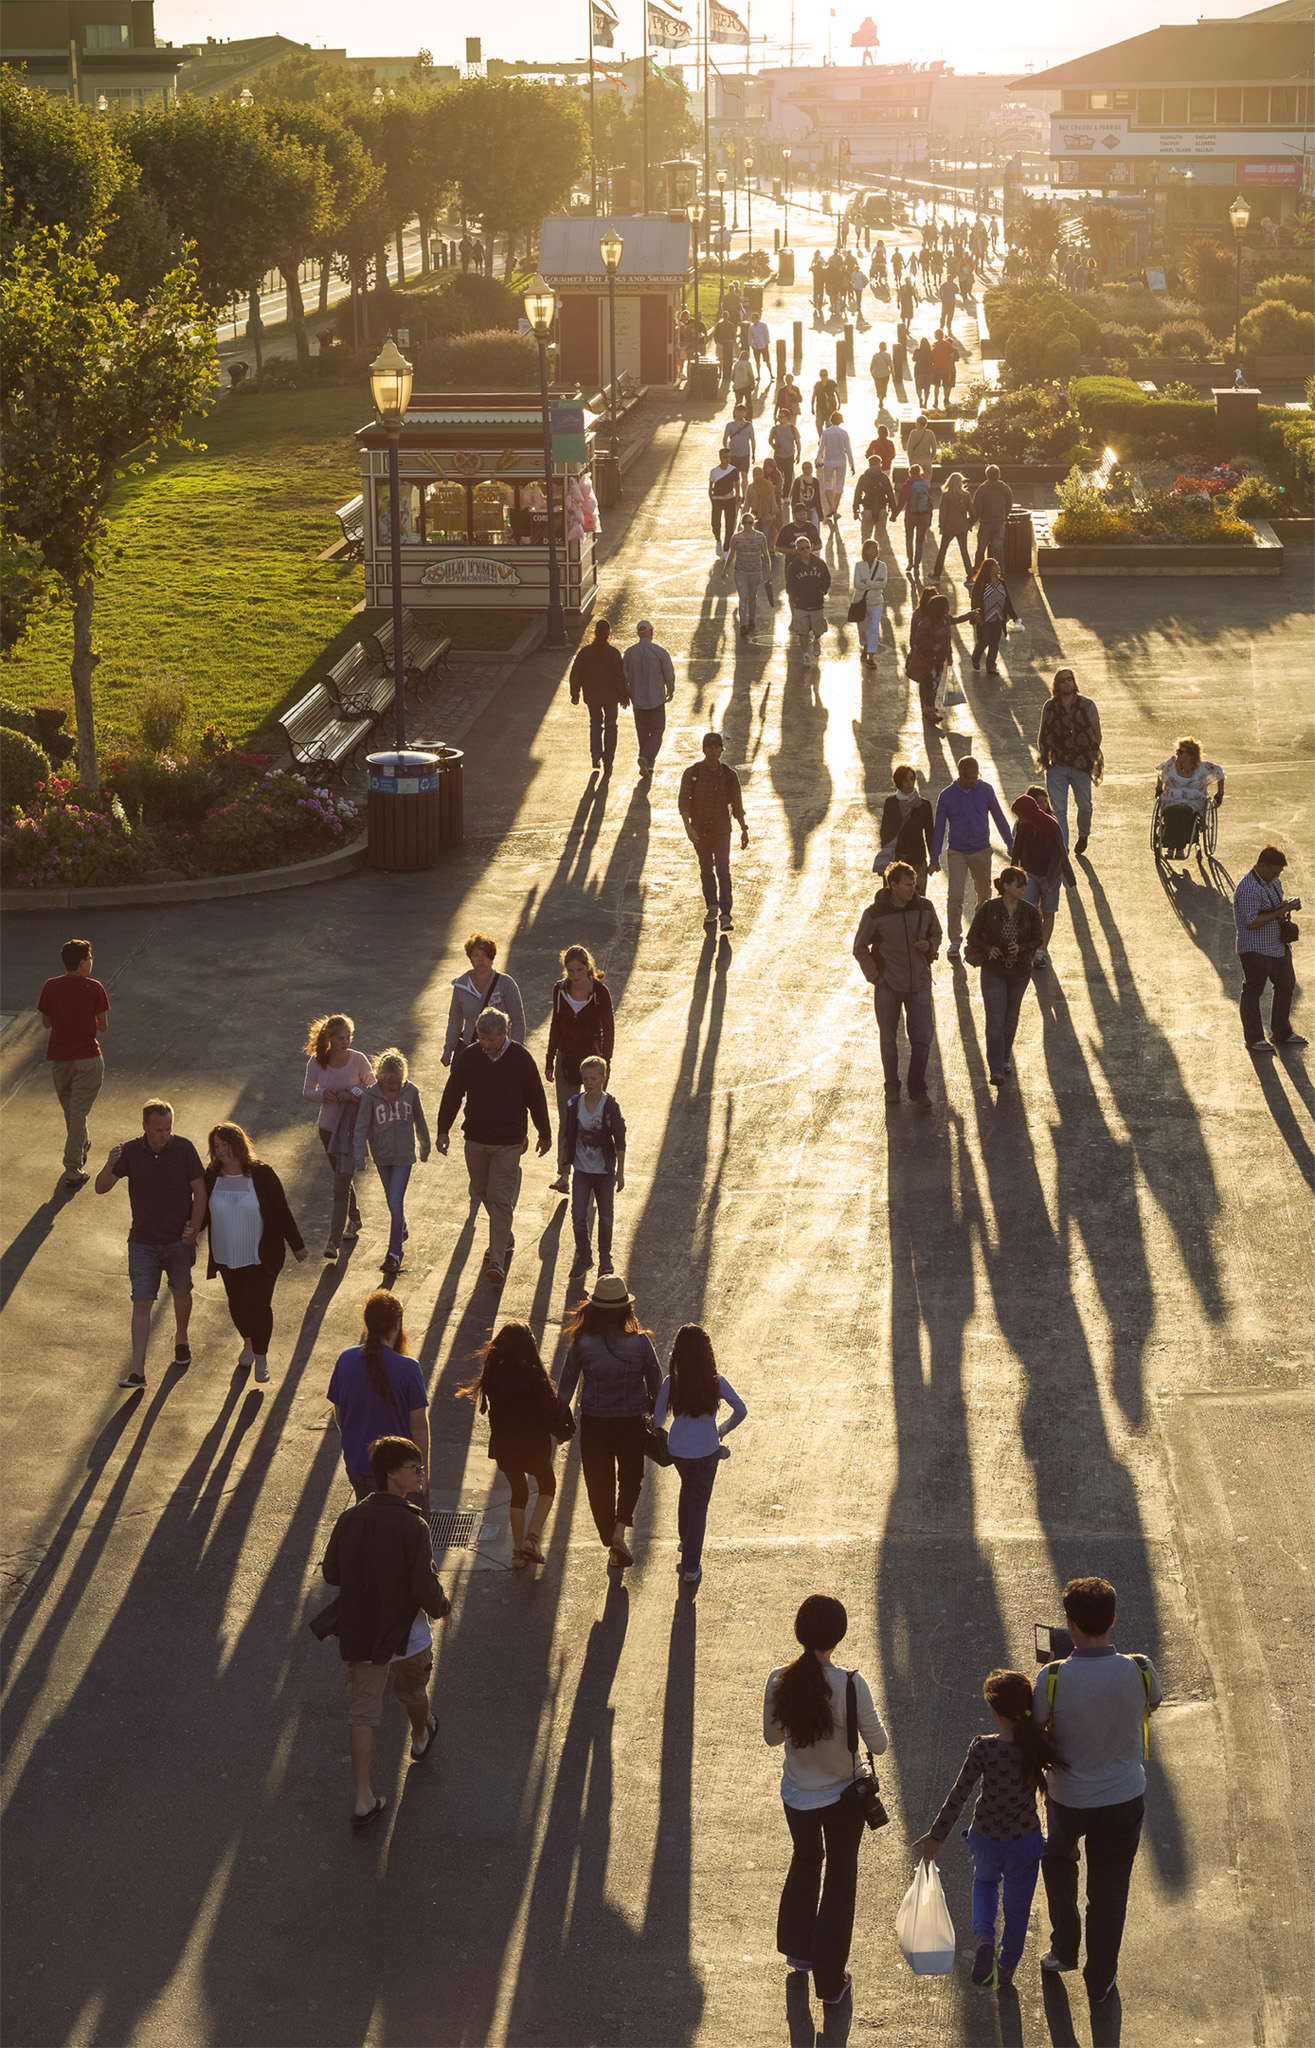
point(1125, 342)
point(1259, 498)
point(490, 361)
point(1274, 329)
point(1287, 443)
point(1115, 407)
point(1179, 338)
point(1209, 270)
point(1050, 349)
point(24, 769)
point(1029, 425)
point(1297, 292)
point(45, 725)
point(461, 303)
point(68, 843)
point(162, 710)
point(164, 792)
point(1092, 526)
point(1177, 389)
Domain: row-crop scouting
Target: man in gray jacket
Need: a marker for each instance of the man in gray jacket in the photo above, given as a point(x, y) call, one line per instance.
point(898, 937)
point(651, 680)
point(993, 501)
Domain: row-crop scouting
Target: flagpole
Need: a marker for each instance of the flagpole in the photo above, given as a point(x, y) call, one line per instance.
point(707, 153)
point(593, 146)
point(644, 177)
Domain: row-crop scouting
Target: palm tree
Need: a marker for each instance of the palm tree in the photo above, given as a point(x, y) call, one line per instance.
point(1106, 231)
point(1209, 271)
point(1038, 231)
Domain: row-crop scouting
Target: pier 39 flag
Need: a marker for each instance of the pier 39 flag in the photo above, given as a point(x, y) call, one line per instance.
point(667, 28)
point(604, 22)
point(725, 26)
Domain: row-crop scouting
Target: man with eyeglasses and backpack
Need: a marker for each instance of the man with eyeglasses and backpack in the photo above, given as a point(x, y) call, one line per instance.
point(1096, 1706)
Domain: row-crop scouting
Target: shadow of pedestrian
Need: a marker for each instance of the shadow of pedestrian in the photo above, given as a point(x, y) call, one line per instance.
point(1058, 2011)
point(1270, 1074)
point(22, 1249)
point(799, 2011)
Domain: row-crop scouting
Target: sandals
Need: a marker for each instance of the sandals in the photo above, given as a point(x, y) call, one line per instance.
point(532, 1552)
point(418, 1756)
point(520, 1557)
point(365, 1820)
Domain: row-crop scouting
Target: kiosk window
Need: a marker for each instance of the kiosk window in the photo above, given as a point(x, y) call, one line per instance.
point(491, 505)
point(446, 517)
point(410, 524)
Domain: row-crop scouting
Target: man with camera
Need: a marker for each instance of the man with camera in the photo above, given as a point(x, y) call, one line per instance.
point(1265, 937)
point(1096, 1706)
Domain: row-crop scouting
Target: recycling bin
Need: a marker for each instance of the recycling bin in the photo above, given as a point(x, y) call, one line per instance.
point(704, 378)
point(785, 267)
point(413, 806)
point(1019, 540)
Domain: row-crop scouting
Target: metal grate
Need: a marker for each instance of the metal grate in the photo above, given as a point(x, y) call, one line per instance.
point(455, 1530)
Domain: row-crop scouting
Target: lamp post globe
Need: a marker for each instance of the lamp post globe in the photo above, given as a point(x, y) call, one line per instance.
point(390, 388)
point(540, 310)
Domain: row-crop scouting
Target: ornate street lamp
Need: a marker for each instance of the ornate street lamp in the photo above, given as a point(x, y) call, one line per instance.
point(694, 215)
point(721, 241)
point(1239, 214)
point(748, 197)
point(786, 155)
point(540, 311)
point(390, 388)
point(611, 247)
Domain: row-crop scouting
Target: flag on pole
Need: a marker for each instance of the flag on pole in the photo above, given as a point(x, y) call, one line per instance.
point(725, 26)
point(604, 22)
point(667, 27)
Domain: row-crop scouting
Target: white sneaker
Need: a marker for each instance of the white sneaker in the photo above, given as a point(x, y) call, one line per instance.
point(1041, 958)
point(808, 659)
point(245, 1355)
point(261, 1374)
point(952, 950)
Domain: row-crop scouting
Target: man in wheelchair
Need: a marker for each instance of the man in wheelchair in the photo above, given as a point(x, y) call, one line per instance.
point(1183, 800)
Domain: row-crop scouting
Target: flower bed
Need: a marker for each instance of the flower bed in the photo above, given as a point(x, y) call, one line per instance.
point(1034, 424)
point(221, 813)
point(1096, 517)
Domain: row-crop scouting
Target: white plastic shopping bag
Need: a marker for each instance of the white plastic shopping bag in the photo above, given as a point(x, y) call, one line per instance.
point(923, 1926)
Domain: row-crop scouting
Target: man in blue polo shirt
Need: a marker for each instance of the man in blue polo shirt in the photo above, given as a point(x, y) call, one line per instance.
point(166, 1192)
point(965, 810)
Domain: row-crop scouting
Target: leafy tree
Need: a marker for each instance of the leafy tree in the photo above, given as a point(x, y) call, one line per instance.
point(28, 591)
point(1106, 231)
point(1037, 231)
point(306, 77)
point(91, 381)
point(63, 167)
point(1209, 271)
point(353, 180)
point(521, 146)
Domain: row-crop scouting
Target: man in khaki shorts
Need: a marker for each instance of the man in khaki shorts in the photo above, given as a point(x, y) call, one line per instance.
point(381, 1561)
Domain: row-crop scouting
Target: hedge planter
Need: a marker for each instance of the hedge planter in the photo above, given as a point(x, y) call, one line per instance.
point(326, 867)
point(1151, 559)
point(1018, 474)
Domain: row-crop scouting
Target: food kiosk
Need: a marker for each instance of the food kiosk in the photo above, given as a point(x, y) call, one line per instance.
point(655, 269)
point(474, 510)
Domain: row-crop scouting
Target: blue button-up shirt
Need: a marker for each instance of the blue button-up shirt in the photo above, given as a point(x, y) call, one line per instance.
point(1251, 897)
point(968, 814)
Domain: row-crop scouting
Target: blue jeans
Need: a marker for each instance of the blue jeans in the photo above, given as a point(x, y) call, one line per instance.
point(697, 1479)
point(1016, 1865)
point(1002, 999)
point(149, 1263)
point(1041, 897)
point(715, 872)
point(395, 1179)
point(602, 734)
point(649, 728)
point(916, 1009)
point(1059, 781)
point(599, 1188)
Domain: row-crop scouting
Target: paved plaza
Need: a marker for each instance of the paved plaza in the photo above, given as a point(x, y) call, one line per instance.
point(1058, 1329)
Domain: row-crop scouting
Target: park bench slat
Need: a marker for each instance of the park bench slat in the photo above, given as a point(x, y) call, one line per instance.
point(319, 734)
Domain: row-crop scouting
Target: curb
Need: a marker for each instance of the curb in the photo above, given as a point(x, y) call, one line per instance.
point(326, 867)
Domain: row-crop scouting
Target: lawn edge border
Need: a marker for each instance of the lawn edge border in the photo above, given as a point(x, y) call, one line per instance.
point(326, 867)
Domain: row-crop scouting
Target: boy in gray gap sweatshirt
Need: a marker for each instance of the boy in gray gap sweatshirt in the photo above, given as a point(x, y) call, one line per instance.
point(1097, 1704)
point(389, 1120)
point(898, 937)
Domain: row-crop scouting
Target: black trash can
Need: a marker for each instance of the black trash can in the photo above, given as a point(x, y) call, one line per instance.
point(413, 806)
point(753, 301)
point(607, 479)
point(1019, 541)
point(704, 380)
point(785, 267)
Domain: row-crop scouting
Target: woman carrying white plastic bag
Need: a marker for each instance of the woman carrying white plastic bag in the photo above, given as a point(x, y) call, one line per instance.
point(923, 1925)
point(804, 1708)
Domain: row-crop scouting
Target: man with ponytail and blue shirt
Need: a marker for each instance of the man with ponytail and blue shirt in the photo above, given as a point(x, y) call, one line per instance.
point(1096, 1707)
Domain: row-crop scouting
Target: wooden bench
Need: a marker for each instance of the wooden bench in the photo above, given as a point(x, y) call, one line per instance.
point(361, 680)
point(320, 734)
point(351, 518)
point(419, 656)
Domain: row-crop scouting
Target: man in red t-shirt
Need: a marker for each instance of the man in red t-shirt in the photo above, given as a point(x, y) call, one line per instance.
point(883, 448)
point(73, 1009)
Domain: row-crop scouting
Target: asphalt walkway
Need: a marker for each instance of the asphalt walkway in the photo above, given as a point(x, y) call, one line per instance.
point(1060, 1329)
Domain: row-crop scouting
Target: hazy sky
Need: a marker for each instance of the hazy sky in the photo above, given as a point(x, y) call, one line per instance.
point(957, 30)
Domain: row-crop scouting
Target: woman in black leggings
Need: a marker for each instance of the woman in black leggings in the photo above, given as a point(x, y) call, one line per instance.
point(514, 1390)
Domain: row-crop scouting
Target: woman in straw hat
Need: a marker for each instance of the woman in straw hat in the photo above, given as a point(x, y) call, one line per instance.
point(612, 1361)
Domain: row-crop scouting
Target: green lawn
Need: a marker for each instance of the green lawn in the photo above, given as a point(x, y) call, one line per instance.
point(217, 578)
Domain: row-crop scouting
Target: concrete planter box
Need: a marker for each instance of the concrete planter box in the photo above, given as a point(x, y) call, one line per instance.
point(1016, 474)
point(326, 867)
point(1264, 559)
point(1294, 533)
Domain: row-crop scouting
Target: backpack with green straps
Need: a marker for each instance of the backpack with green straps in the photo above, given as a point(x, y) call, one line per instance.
point(1143, 1665)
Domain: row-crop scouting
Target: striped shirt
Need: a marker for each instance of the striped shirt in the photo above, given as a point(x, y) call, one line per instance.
point(1251, 897)
point(1006, 1805)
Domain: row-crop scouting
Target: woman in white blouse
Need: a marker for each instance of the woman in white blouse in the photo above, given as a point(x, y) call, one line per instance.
point(1183, 783)
point(692, 1393)
point(804, 1709)
point(870, 590)
point(249, 1221)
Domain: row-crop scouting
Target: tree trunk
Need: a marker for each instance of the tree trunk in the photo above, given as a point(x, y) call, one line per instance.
point(297, 314)
point(426, 229)
point(381, 267)
point(254, 326)
point(83, 664)
point(324, 288)
point(401, 254)
point(511, 256)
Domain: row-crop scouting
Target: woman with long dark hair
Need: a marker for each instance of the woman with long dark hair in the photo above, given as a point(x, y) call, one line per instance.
point(691, 1394)
point(249, 1221)
point(804, 1708)
point(1005, 1836)
point(612, 1360)
point(1003, 939)
point(377, 1390)
point(583, 1021)
point(336, 1078)
point(513, 1389)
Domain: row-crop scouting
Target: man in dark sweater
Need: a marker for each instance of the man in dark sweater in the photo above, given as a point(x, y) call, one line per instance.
point(381, 1561)
point(500, 1086)
point(598, 676)
point(807, 581)
point(709, 798)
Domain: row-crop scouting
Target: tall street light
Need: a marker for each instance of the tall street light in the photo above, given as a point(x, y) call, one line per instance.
point(694, 214)
point(390, 387)
point(786, 154)
point(721, 241)
point(611, 246)
point(748, 200)
point(540, 310)
point(1239, 213)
